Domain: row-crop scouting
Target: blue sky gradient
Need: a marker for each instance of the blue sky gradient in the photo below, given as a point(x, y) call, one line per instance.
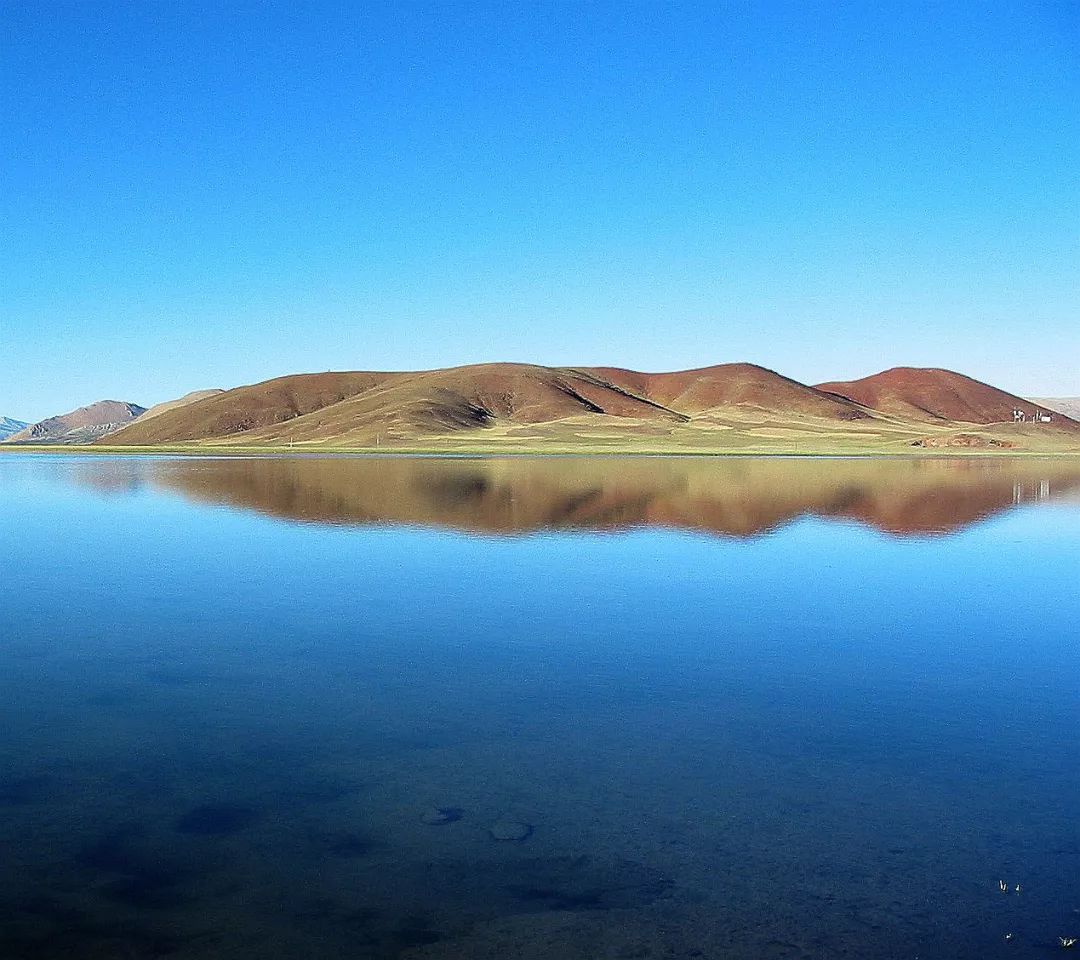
point(200, 195)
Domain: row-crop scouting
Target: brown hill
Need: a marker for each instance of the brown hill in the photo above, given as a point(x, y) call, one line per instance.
point(247, 408)
point(84, 425)
point(357, 407)
point(370, 408)
point(159, 408)
point(929, 394)
point(730, 384)
point(735, 407)
point(406, 406)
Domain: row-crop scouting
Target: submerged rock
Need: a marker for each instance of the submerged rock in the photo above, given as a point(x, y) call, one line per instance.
point(437, 816)
point(512, 830)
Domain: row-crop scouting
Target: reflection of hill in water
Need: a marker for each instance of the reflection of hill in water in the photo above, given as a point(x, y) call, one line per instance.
point(737, 497)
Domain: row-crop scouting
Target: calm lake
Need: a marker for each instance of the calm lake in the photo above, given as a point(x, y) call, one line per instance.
point(540, 708)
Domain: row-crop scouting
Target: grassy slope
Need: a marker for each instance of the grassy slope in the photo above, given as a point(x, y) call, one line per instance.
point(523, 408)
point(739, 431)
point(367, 409)
point(569, 437)
point(516, 403)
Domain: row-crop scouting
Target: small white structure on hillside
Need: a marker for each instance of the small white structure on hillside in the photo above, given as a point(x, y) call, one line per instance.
point(1039, 416)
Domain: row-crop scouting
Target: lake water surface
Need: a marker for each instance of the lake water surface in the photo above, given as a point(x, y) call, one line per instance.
point(725, 708)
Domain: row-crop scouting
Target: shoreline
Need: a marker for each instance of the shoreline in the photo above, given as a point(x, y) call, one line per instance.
point(197, 451)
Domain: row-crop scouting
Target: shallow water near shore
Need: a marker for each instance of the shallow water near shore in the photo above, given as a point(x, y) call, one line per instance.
point(719, 708)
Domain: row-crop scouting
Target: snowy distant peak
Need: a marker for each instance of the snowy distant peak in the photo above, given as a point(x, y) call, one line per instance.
point(8, 426)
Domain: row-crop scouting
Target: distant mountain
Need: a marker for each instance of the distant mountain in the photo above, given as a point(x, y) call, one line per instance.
point(9, 426)
point(930, 394)
point(1070, 406)
point(84, 425)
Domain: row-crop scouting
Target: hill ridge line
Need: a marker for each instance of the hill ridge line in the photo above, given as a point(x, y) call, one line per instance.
point(737, 406)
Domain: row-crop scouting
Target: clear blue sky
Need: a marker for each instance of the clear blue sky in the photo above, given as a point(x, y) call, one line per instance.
point(197, 195)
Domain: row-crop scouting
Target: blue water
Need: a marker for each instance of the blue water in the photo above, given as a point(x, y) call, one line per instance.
point(233, 693)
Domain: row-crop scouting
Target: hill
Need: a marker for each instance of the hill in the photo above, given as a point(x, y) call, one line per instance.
point(193, 397)
point(84, 425)
point(929, 394)
point(694, 392)
point(516, 407)
point(9, 427)
point(246, 410)
point(360, 409)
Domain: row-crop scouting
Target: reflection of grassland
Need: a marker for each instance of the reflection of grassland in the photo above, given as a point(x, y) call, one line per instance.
point(805, 437)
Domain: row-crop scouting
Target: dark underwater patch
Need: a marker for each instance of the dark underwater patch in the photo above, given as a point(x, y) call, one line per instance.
point(113, 852)
point(372, 934)
point(167, 677)
point(114, 697)
point(413, 932)
point(44, 928)
point(19, 791)
point(348, 845)
point(133, 875)
point(137, 892)
point(578, 883)
point(324, 908)
point(181, 676)
point(552, 898)
point(217, 819)
point(323, 790)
